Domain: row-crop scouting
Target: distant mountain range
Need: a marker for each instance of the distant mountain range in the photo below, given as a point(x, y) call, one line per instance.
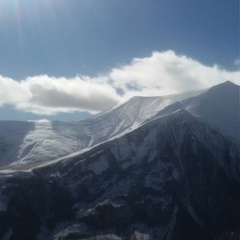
point(159, 168)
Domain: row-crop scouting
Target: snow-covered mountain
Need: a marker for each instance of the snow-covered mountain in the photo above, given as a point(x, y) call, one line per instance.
point(174, 177)
point(42, 141)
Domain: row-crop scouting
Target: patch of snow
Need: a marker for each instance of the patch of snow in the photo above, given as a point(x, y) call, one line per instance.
point(76, 228)
point(141, 236)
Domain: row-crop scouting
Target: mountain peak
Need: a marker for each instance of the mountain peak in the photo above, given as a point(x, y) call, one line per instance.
point(219, 107)
point(227, 84)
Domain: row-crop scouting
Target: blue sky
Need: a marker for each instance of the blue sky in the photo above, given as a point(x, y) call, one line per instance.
point(61, 58)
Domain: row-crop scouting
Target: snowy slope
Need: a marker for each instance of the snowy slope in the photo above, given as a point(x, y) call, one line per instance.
point(24, 142)
point(33, 142)
point(129, 116)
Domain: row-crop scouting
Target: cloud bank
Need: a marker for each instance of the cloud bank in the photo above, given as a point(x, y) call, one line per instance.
point(162, 73)
point(50, 95)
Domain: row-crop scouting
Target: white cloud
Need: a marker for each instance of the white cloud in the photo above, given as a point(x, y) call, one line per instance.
point(160, 74)
point(12, 92)
point(49, 95)
point(167, 73)
point(44, 120)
